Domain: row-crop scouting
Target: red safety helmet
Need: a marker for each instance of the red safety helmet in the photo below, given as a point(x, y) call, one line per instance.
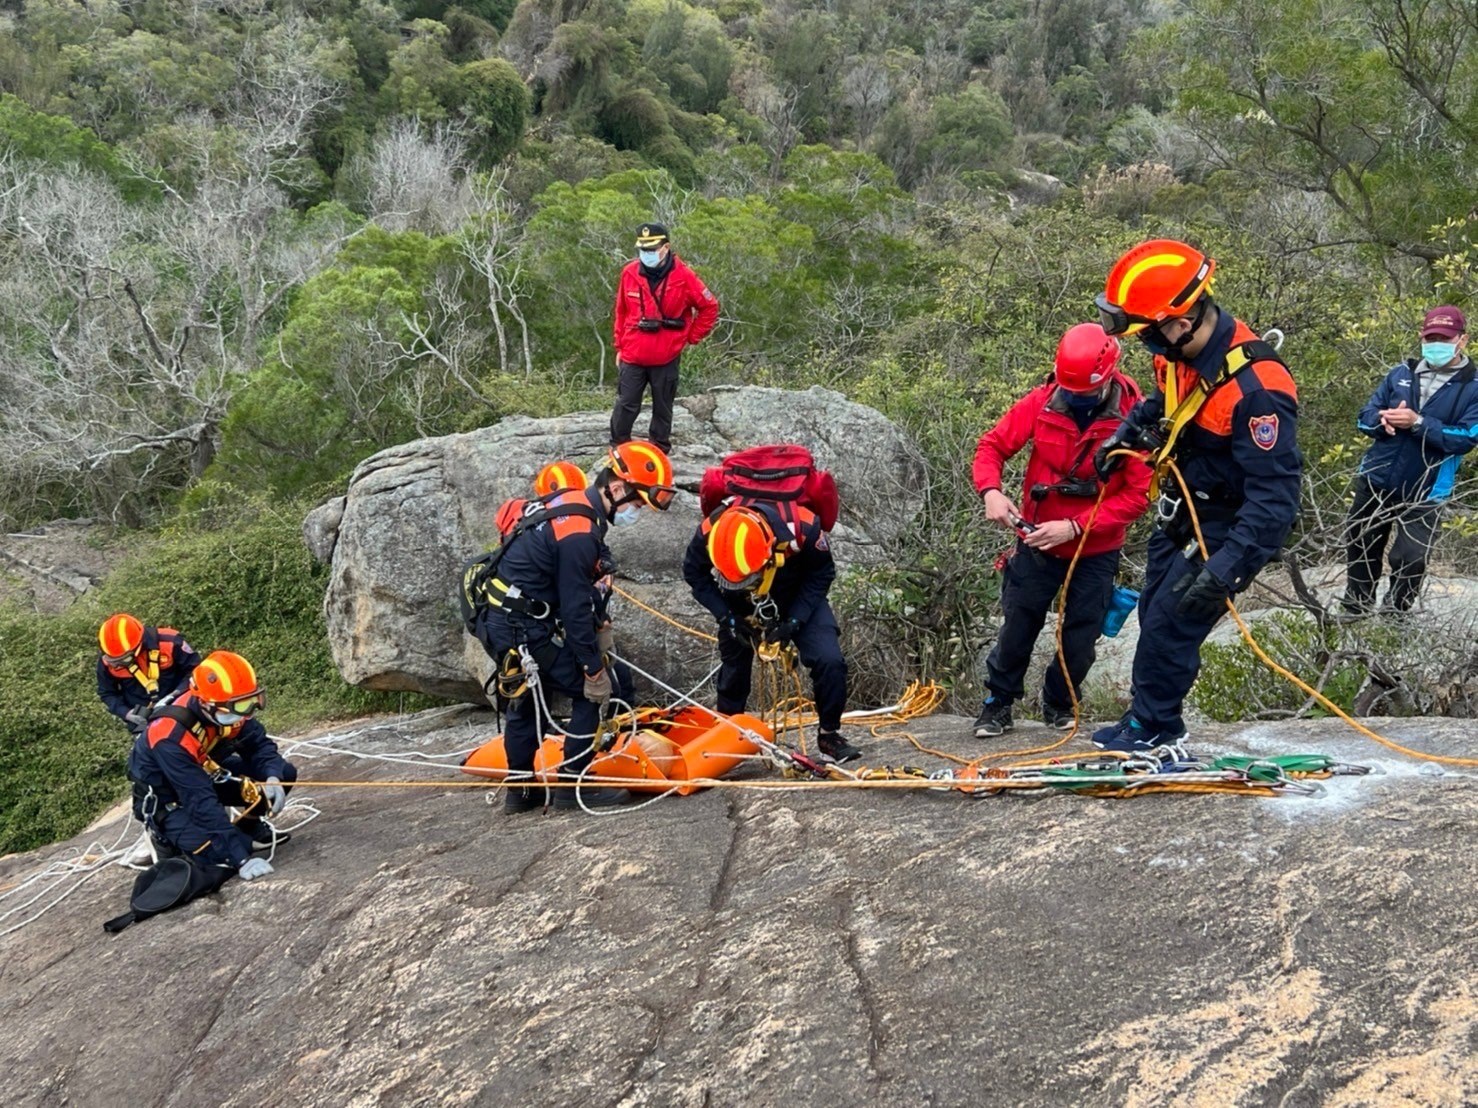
point(226, 687)
point(119, 638)
point(559, 476)
point(648, 471)
point(1086, 358)
point(741, 546)
point(1157, 280)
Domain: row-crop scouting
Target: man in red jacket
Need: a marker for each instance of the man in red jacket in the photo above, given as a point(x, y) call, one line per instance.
point(1065, 420)
point(661, 307)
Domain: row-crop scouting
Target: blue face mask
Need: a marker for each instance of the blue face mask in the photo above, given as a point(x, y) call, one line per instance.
point(1080, 404)
point(1438, 354)
point(626, 514)
point(650, 258)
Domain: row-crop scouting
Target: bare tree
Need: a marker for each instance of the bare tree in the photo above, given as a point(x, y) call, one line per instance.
point(492, 245)
point(416, 179)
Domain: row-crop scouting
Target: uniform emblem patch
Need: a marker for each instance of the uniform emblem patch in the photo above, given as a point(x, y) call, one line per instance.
point(1264, 430)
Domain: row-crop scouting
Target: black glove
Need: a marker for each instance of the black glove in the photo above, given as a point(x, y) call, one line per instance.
point(137, 718)
point(1203, 599)
point(1126, 437)
point(735, 627)
point(783, 632)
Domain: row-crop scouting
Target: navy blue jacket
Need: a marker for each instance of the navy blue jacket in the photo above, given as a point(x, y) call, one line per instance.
point(1239, 455)
point(558, 562)
point(800, 585)
point(1420, 464)
point(170, 758)
point(121, 692)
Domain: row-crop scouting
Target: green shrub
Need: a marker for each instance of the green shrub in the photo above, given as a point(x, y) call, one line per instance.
point(251, 587)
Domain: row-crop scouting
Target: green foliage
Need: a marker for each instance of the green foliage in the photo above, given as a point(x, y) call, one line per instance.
point(56, 141)
point(248, 586)
point(496, 107)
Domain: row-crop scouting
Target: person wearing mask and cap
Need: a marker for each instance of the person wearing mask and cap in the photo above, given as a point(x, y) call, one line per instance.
point(1064, 420)
point(661, 308)
point(1423, 418)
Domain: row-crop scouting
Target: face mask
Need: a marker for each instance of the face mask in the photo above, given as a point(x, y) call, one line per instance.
point(1156, 343)
point(1438, 354)
point(650, 258)
point(1080, 404)
point(626, 514)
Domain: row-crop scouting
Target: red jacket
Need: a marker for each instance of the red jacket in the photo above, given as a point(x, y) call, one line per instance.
point(1061, 452)
point(680, 295)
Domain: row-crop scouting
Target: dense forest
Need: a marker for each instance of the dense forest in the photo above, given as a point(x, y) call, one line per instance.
point(243, 245)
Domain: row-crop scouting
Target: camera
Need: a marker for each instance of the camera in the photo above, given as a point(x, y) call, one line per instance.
point(674, 324)
point(649, 325)
point(1084, 487)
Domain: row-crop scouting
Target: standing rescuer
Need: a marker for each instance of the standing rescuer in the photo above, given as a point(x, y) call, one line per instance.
point(661, 308)
point(139, 667)
point(1226, 413)
point(1423, 418)
point(763, 569)
point(536, 594)
point(1064, 421)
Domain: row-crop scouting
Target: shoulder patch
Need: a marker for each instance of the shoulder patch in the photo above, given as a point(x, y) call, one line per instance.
point(822, 542)
point(1264, 430)
point(565, 526)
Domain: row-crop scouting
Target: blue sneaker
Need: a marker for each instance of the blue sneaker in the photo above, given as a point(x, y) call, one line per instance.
point(1129, 736)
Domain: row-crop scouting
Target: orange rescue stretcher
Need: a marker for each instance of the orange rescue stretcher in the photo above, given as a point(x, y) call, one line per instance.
point(667, 747)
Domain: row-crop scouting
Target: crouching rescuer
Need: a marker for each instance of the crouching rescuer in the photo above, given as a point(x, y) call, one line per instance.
point(1063, 421)
point(202, 754)
point(533, 603)
point(763, 569)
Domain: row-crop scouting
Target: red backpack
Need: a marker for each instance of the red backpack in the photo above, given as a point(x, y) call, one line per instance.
point(778, 473)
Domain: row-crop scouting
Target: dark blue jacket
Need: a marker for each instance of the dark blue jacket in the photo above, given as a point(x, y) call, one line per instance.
point(121, 692)
point(170, 758)
point(800, 585)
point(1420, 464)
point(558, 562)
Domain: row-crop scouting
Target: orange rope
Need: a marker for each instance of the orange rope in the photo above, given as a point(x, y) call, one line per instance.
point(697, 634)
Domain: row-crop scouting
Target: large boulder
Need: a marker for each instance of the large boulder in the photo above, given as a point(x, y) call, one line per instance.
point(414, 513)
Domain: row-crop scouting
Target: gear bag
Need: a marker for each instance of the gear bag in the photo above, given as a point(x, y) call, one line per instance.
point(167, 884)
point(776, 472)
point(474, 597)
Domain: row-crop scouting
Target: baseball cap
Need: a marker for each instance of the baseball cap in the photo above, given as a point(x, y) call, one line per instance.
point(1445, 322)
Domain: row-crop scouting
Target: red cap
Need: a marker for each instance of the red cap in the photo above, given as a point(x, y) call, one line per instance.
point(1445, 322)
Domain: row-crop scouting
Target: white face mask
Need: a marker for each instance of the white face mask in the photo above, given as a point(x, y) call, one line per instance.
point(626, 514)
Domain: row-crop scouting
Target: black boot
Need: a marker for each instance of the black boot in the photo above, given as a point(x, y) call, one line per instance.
point(994, 718)
point(590, 796)
point(523, 798)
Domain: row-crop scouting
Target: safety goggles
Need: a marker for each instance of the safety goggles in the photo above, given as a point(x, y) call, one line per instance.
point(742, 585)
point(658, 496)
point(123, 661)
point(244, 707)
point(1115, 320)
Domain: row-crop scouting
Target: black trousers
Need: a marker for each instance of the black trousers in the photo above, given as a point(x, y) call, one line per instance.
point(1373, 516)
point(560, 672)
point(176, 831)
point(818, 643)
point(1030, 584)
point(631, 383)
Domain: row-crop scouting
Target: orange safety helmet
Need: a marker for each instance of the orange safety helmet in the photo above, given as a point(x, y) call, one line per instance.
point(742, 547)
point(119, 638)
point(1157, 280)
point(648, 471)
point(1086, 358)
point(226, 687)
point(559, 476)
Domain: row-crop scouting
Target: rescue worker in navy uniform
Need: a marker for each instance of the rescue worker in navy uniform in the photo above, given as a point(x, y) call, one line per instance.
point(763, 569)
point(204, 752)
point(1226, 412)
point(139, 667)
point(543, 597)
point(1423, 418)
